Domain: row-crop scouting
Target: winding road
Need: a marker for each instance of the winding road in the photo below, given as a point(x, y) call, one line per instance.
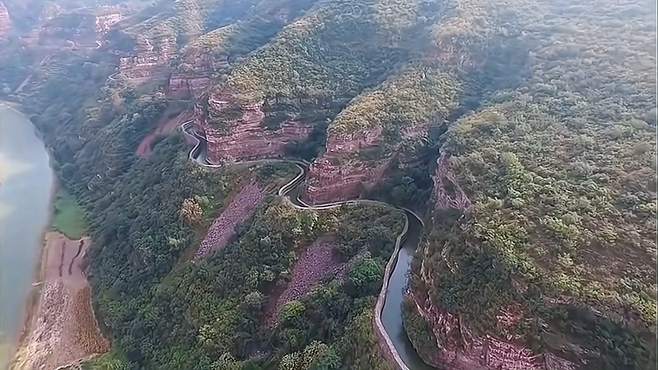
point(388, 310)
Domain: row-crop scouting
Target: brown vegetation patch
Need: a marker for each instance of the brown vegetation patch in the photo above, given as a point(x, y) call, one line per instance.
point(222, 230)
point(317, 263)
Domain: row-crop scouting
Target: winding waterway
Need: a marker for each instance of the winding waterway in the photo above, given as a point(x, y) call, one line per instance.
point(391, 313)
point(26, 184)
point(397, 287)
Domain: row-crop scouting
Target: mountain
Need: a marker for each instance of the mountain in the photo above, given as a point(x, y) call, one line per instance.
point(521, 132)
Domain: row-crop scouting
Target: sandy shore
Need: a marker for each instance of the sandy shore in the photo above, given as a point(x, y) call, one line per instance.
point(61, 328)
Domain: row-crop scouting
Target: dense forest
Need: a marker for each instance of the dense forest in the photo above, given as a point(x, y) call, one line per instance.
point(561, 173)
point(543, 113)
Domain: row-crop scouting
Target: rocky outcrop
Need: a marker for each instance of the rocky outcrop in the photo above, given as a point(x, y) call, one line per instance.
point(339, 174)
point(193, 75)
point(151, 59)
point(447, 192)
point(354, 163)
point(106, 19)
point(5, 22)
point(188, 85)
point(460, 349)
point(236, 132)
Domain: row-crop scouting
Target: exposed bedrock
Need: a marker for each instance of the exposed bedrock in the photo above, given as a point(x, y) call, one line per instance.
point(188, 85)
point(193, 76)
point(237, 132)
point(5, 22)
point(356, 162)
point(151, 59)
point(447, 192)
point(460, 349)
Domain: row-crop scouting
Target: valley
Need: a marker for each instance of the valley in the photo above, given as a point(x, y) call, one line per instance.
point(242, 175)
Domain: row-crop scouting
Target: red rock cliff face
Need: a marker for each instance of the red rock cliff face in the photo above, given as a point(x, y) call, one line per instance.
point(193, 76)
point(5, 22)
point(460, 349)
point(151, 59)
point(244, 137)
point(337, 175)
point(346, 169)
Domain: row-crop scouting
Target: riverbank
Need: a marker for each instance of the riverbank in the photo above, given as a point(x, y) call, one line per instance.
point(61, 328)
point(25, 206)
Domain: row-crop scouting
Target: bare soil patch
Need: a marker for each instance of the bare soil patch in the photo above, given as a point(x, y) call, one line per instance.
point(62, 328)
point(166, 125)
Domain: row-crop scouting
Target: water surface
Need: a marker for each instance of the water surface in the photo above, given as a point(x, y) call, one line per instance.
point(26, 183)
point(397, 286)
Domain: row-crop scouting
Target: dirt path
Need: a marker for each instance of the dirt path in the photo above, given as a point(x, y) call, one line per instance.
point(62, 328)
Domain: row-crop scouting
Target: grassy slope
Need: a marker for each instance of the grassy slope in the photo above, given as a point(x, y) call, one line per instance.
point(69, 218)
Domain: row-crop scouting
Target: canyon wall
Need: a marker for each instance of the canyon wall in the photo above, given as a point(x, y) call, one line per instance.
point(235, 132)
point(356, 162)
point(338, 175)
point(460, 349)
point(150, 60)
point(194, 75)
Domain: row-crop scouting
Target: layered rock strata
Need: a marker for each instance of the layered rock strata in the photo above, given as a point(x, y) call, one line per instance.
point(337, 175)
point(460, 349)
point(240, 133)
point(193, 76)
point(151, 59)
point(354, 163)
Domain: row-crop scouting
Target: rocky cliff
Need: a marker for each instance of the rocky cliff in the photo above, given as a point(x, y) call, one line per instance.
point(237, 132)
point(460, 349)
point(378, 128)
point(5, 21)
point(150, 60)
point(337, 175)
point(194, 72)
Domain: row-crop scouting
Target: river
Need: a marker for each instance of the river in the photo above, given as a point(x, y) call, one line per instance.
point(397, 286)
point(26, 185)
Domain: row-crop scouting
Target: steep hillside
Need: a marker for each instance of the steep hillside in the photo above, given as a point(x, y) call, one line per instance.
point(211, 54)
point(524, 130)
point(555, 253)
point(306, 74)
